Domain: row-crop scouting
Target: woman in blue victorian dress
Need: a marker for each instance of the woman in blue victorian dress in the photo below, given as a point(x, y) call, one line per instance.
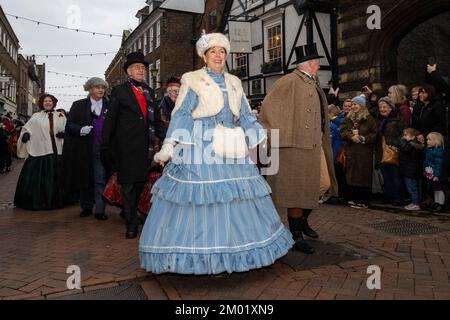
point(212, 211)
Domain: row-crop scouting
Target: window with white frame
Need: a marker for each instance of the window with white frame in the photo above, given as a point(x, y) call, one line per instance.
point(14, 91)
point(256, 86)
point(241, 63)
point(158, 75)
point(158, 33)
point(150, 77)
point(273, 38)
point(151, 38)
point(145, 42)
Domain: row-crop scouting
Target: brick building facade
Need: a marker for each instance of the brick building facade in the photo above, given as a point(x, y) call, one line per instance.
point(165, 38)
point(9, 46)
point(22, 88)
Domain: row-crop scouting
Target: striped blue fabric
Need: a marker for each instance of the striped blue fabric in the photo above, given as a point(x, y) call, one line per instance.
point(211, 218)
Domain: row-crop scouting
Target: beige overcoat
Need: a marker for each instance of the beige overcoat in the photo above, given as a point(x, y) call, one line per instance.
point(293, 107)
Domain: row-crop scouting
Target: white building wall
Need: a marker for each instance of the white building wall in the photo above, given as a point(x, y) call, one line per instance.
point(291, 25)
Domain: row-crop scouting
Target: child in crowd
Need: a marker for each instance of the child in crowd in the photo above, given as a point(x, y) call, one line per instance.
point(434, 169)
point(410, 159)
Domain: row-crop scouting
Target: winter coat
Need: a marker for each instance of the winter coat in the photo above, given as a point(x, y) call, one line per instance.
point(127, 134)
point(78, 150)
point(430, 118)
point(293, 106)
point(434, 164)
point(405, 112)
point(410, 158)
point(359, 156)
point(336, 139)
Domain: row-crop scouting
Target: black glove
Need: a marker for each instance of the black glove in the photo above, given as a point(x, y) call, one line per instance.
point(60, 135)
point(25, 137)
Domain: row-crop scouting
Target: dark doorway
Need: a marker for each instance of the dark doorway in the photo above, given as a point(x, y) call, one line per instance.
point(429, 39)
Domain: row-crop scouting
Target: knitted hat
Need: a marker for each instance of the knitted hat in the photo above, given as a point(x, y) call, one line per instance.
point(93, 82)
point(388, 101)
point(361, 100)
point(211, 40)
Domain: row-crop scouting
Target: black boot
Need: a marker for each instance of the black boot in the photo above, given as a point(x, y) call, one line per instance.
point(306, 229)
point(85, 213)
point(295, 226)
point(132, 231)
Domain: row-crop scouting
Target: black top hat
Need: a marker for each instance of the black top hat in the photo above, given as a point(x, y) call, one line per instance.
point(135, 57)
point(306, 53)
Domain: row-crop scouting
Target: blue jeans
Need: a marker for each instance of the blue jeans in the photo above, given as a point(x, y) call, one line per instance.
point(392, 186)
point(95, 194)
point(412, 185)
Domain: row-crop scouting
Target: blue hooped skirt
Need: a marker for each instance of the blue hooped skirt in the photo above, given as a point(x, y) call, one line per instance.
point(212, 219)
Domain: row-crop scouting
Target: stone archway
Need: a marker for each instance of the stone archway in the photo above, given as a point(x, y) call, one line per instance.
point(400, 20)
point(429, 39)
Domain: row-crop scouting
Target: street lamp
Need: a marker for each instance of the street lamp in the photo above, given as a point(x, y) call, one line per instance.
point(154, 73)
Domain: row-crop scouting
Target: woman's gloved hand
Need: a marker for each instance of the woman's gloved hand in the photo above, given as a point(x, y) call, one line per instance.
point(60, 135)
point(165, 154)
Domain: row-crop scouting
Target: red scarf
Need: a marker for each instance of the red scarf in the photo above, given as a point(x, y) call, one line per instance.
point(141, 100)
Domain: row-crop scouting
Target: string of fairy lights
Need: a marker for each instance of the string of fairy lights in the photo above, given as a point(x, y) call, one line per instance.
point(67, 74)
point(73, 55)
point(64, 87)
point(71, 93)
point(62, 27)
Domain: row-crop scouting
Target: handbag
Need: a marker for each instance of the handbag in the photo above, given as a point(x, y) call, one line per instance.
point(229, 142)
point(390, 154)
point(341, 157)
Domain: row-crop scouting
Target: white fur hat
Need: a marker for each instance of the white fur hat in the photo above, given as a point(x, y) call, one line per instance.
point(211, 40)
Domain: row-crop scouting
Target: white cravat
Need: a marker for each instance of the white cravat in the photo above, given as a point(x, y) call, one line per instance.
point(308, 75)
point(96, 106)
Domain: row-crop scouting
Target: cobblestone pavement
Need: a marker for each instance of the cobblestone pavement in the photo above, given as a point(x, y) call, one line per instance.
point(412, 251)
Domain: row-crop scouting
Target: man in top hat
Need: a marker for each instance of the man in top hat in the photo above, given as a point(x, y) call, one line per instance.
point(297, 107)
point(82, 166)
point(130, 128)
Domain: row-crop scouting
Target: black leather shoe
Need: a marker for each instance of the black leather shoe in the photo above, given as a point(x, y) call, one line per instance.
point(85, 213)
point(131, 234)
point(306, 229)
point(436, 207)
point(295, 226)
point(302, 246)
point(101, 217)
